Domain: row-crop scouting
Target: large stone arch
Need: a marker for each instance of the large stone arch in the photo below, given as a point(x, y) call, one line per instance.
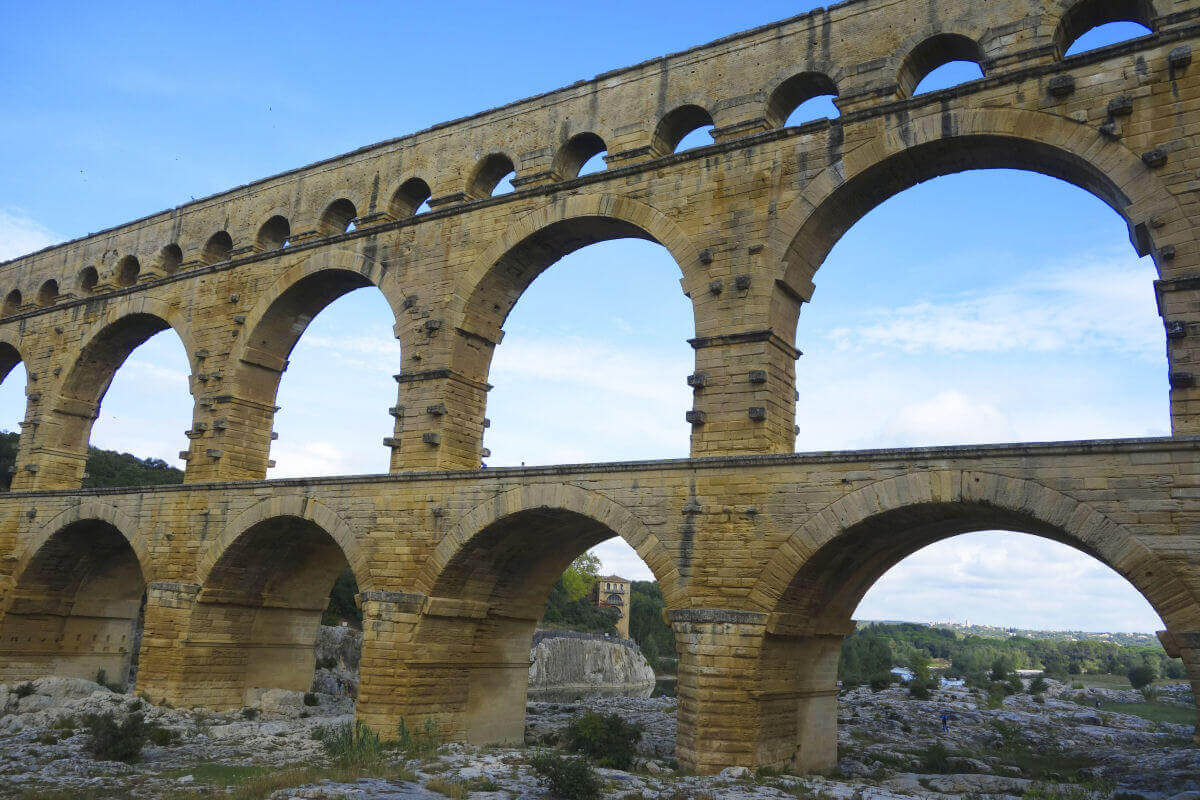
point(261, 589)
point(72, 603)
point(564, 225)
point(562, 497)
point(1025, 505)
point(302, 507)
point(89, 508)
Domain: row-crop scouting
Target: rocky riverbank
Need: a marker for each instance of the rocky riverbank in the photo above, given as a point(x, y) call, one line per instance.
point(890, 746)
point(565, 666)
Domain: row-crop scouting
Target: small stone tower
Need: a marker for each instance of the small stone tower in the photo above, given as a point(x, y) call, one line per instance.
point(614, 592)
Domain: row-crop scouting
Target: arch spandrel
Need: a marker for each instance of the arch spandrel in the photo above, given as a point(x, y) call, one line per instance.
point(88, 508)
point(938, 504)
point(632, 218)
point(954, 141)
point(588, 504)
point(302, 507)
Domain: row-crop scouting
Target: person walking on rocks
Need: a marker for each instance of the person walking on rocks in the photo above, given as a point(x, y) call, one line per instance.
point(945, 720)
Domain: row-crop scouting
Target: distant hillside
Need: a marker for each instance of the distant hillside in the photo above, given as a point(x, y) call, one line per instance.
point(105, 468)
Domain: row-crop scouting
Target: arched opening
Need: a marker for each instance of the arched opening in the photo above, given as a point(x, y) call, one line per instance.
point(410, 199)
point(492, 176)
point(515, 570)
point(828, 589)
point(581, 155)
point(127, 271)
point(273, 234)
point(582, 338)
point(1033, 285)
point(87, 279)
point(1090, 24)
point(125, 403)
point(324, 333)
point(802, 98)
point(170, 258)
point(13, 301)
point(258, 614)
point(685, 128)
point(48, 293)
point(75, 608)
point(954, 58)
point(218, 248)
point(337, 217)
point(13, 402)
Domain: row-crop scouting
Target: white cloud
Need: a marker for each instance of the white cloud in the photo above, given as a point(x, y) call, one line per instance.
point(948, 417)
point(1100, 306)
point(19, 234)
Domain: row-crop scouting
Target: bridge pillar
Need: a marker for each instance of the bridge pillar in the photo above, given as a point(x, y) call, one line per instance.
point(1179, 305)
point(168, 614)
point(745, 395)
point(234, 445)
point(439, 421)
point(1186, 647)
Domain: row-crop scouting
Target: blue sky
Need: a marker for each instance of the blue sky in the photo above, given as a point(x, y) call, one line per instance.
point(982, 307)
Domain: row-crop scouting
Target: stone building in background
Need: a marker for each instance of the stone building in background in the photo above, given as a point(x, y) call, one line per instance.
point(612, 591)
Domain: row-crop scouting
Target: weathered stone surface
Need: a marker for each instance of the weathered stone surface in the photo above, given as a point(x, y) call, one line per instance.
point(566, 667)
point(761, 554)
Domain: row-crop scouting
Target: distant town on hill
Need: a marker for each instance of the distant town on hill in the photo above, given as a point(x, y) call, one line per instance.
point(1122, 638)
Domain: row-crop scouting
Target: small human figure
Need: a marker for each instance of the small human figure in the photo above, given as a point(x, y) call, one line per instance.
point(945, 720)
point(1097, 702)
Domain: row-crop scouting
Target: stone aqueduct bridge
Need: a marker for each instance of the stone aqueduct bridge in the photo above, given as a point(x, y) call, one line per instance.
point(762, 554)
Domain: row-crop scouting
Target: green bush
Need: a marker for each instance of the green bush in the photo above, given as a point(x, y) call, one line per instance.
point(111, 739)
point(1142, 676)
point(418, 743)
point(1038, 685)
point(25, 689)
point(310, 699)
point(607, 739)
point(568, 778)
point(163, 737)
point(882, 681)
point(250, 713)
point(921, 690)
point(352, 744)
point(936, 758)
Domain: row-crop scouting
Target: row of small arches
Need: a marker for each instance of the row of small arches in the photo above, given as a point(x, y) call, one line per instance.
point(804, 97)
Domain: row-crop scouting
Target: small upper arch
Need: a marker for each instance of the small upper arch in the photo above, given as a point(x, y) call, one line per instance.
point(48, 293)
point(170, 258)
point(408, 198)
point(934, 52)
point(337, 217)
point(127, 271)
point(218, 248)
point(1082, 16)
point(87, 279)
point(793, 92)
point(13, 301)
point(575, 152)
point(677, 124)
point(273, 234)
point(487, 174)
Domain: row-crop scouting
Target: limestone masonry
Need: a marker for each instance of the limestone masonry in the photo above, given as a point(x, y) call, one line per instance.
point(762, 554)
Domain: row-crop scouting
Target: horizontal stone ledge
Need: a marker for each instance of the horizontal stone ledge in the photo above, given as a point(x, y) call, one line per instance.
point(177, 587)
point(441, 374)
point(745, 337)
point(716, 616)
point(405, 602)
point(798, 694)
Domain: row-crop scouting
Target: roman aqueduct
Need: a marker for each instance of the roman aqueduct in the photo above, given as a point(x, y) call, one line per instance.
point(762, 553)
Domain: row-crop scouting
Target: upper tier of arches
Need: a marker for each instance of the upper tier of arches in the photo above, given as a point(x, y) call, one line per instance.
point(393, 181)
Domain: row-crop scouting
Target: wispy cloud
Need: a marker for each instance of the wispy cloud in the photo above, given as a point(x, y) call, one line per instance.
point(1085, 307)
point(20, 234)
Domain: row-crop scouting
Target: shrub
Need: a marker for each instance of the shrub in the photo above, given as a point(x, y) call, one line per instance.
point(310, 699)
point(1038, 685)
point(47, 737)
point(352, 744)
point(569, 778)
point(453, 790)
point(110, 739)
point(418, 743)
point(607, 739)
point(1141, 676)
point(1150, 694)
point(996, 695)
point(163, 737)
point(67, 723)
point(936, 758)
point(919, 690)
point(326, 662)
point(25, 689)
point(250, 713)
point(881, 681)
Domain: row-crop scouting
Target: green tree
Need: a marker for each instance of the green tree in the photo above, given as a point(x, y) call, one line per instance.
point(581, 575)
point(1141, 676)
